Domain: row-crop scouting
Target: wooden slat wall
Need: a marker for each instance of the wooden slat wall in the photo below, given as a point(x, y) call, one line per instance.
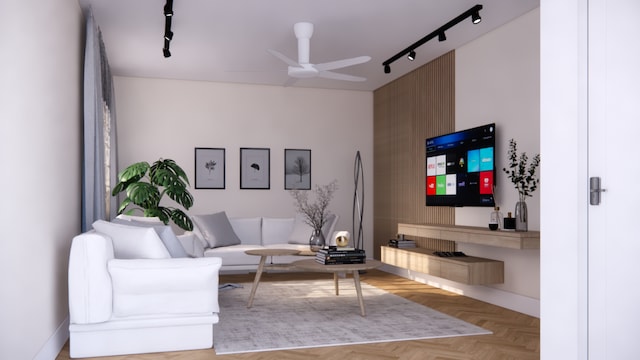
point(419, 105)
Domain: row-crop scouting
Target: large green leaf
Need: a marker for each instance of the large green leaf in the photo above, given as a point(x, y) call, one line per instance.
point(181, 219)
point(171, 166)
point(144, 194)
point(130, 175)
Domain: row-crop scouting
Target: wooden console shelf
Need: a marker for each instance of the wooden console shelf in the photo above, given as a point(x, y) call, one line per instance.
point(474, 235)
point(466, 269)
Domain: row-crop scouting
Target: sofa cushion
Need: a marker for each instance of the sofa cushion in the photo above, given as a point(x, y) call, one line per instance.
point(216, 229)
point(301, 231)
point(234, 255)
point(166, 234)
point(249, 230)
point(277, 230)
point(133, 242)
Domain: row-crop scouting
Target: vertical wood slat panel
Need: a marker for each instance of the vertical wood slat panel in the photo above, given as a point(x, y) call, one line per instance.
point(408, 110)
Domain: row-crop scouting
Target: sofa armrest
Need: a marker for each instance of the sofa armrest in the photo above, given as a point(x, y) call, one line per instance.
point(164, 286)
point(191, 244)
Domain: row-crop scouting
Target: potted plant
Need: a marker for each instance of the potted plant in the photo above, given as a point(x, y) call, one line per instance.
point(523, 177)
point(145, 185)
point(315, 213)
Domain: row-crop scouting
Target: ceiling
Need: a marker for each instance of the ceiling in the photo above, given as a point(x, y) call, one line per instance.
point(227, 41)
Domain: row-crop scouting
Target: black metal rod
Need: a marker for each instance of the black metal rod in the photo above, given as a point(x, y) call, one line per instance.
point(435, 33)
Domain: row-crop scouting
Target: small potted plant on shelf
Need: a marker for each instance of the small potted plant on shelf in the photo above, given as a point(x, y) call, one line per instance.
point(523, 176)
point(146, 190)
point(315, 213)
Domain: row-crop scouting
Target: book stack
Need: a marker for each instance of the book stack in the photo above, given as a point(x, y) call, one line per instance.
point(402, 244)
point(335, 256)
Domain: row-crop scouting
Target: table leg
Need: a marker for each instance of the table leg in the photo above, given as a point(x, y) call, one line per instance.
point(256, 281)
point(335, 282)
point(356, 280)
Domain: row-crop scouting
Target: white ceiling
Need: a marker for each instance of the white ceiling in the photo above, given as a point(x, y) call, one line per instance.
point(226, 41)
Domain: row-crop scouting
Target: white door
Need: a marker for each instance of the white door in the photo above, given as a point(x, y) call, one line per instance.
point(614, 152)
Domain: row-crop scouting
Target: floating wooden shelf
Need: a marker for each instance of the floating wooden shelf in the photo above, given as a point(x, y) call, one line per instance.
point(466, 269)
point(474, 235)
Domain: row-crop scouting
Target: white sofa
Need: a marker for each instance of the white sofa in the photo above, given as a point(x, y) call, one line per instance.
point(127, 295)
point(251, 233)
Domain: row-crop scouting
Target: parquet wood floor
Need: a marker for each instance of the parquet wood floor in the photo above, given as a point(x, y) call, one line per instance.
point(515, 335)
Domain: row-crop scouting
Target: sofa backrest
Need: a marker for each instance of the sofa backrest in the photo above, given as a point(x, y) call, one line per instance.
point(276, 230)
point(249, 230)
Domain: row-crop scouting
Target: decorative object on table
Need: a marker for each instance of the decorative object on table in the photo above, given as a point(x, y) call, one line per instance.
point(358, 202)
point(210, 168)
point(496, 219)
point(402, 243)
point(315, 213)
point(146, 191)
point(342, 239)
point(297, 169)
point(523, 177)
point(509, 222)
point(255, 168)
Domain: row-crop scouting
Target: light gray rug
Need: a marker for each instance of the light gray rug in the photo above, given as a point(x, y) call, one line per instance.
point(303, 314)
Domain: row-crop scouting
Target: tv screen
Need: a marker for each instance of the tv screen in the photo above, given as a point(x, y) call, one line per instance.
point(461, 168)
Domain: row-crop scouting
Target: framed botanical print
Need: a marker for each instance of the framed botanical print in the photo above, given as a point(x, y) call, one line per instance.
point(255, 168)
point(210, 168)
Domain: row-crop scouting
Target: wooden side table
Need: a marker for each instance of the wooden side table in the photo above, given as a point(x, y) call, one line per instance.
point(314, 266)
point(264, 254)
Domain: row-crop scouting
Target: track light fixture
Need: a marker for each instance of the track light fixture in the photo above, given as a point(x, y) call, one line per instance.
point(474, 13)
point(168, 34)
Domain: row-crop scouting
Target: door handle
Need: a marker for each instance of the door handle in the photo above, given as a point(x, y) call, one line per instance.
point(595, 190)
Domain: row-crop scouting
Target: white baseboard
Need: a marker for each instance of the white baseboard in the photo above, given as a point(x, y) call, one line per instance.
point(52, 347)
point(512, 301)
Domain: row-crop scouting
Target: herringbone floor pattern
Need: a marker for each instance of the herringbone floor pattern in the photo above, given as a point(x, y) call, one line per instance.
point(515, 336)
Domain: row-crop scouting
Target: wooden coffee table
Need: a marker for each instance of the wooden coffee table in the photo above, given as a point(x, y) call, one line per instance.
point(314, 266)
point(264, 254)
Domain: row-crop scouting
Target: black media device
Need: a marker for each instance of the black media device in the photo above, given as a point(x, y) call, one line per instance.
point(460, 168)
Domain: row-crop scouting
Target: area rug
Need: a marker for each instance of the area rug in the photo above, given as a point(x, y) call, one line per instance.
point(303, 314)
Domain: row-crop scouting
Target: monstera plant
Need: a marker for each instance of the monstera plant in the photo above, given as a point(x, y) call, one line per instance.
point(145, 185)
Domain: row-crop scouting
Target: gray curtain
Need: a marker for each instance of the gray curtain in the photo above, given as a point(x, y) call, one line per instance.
point(99, 169)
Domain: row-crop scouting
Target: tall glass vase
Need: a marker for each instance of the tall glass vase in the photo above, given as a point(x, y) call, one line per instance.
point(316, 241)
point(521, 215)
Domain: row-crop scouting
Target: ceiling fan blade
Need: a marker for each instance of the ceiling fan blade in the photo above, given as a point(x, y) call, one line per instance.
point(338, 76)
point(332, 65)
point(283, 57)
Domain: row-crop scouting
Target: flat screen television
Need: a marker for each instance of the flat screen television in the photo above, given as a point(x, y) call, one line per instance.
point(461, 168)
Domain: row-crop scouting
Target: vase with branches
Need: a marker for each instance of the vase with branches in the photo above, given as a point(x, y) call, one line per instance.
point(523, 176)
point(315, 212)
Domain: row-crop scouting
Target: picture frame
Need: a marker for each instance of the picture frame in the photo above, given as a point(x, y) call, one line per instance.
point(297, 169)
point(255, 168)
point(209, 168)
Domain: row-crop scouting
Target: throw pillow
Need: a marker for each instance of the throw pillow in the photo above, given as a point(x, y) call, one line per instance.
point(166, 234)
point(216, 229)
point(132, 242)
point(150, 219)
point(301, 231)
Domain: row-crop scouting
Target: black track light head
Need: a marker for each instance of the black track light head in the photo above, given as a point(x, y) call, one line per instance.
point(168, 35)
point(475, 17)
point(442, 36)
point(412, 55)
point(166, 52)
point(387, 69)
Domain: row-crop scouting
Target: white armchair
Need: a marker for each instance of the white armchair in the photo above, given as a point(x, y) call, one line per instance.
point(129, 306)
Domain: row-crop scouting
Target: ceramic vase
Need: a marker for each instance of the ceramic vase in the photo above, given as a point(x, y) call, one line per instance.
point(316, 241)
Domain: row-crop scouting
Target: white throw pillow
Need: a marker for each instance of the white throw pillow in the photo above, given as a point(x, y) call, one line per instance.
point(216, 229)
point(301, 231)
point(165, 232)
point(132, 242)
point(150, 219)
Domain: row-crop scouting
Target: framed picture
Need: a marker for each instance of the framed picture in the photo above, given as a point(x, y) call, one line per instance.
point(297, 169)
point(210, 168)
point(254, 168)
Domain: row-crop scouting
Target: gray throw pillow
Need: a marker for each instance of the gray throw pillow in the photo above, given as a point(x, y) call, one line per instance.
point(216, 229)
point(165, 233)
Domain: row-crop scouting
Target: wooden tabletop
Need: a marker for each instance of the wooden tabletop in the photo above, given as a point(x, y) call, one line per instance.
point(272, 252)
point(313, 265)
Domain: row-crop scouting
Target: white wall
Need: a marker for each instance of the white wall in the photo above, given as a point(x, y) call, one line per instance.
point(169, 118)
point(40, 112)
point(498, 80)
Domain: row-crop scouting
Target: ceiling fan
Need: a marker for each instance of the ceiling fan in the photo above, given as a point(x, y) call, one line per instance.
point(304, 69)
